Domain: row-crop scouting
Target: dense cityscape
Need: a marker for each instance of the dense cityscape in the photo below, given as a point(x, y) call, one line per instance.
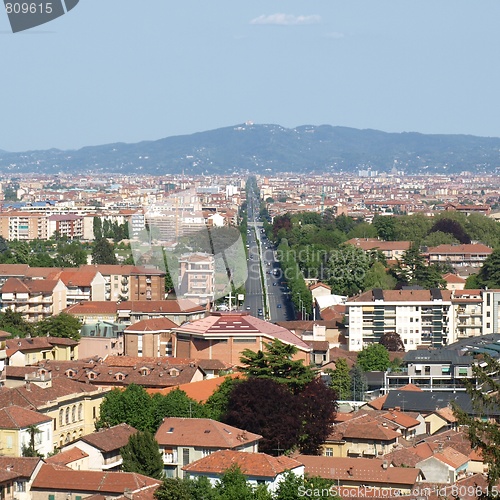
point(249, 336)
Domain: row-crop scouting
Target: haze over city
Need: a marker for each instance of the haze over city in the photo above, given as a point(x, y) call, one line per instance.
point(126, 71)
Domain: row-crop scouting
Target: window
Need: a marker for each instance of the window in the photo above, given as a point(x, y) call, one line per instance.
point(185, 456)
point(20, 486)
point(80, 411)
point(462, 372)
point(329, 452)
point(61, 417)
point(67, 415)
point(73, 414)
point(9, 442)
point(52, 497)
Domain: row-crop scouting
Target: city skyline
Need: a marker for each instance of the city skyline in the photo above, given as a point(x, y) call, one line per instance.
point(124, 71)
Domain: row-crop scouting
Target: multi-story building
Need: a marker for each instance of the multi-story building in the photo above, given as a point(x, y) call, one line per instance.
point(471, 255)
point(420, 317)
point(197, 277)
point(67, 225)
point(437, 370)
point(33, 299)
point(23, 226)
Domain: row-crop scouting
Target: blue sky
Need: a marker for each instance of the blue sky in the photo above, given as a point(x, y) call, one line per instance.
point(132, 70)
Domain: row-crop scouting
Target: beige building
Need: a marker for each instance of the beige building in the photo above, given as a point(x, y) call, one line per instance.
point(197, 277)
point(34, 299)
point(184, 440)
point(149, 338)
point(72, 406)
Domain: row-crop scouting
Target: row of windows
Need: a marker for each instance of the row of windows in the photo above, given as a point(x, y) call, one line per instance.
point(69, 415)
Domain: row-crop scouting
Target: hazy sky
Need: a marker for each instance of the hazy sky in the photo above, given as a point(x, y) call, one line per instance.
point(132, 70)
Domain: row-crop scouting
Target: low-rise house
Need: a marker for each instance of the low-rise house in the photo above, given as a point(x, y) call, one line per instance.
point(473, 254)
point(101, 339)
point(17, 475)
point(17, 424)
point(149, 338)
point(83, 284)
point(103, 447)
point(362, 473)
point(361, 436)
point(74, 458)
point(57, 483)
point(30, 350)
point(185, 440)
point(3, 348)
point(258, 468)
point(444, 465)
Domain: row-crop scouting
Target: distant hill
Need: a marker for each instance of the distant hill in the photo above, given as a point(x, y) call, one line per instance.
point(260, 148)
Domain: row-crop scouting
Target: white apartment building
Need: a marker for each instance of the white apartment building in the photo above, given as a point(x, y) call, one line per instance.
point(431, 318)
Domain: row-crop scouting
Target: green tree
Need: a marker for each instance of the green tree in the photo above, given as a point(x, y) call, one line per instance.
point(374, 357)
point(385, 226)
point(484, 432)
point(340, 379)
point(359, 384)
point(175, 404)
point(97, 226)
point(377, 277)
point(30, 450)
point(233, 485)
point(174, 489)
point(103, 252)
point(288, 488)
point(132, 406)
point(276, 363)
point(62, 325)
point(216, 405)
point(489, 274)
point(70, 254)
point(15, 324)
point(142, 455)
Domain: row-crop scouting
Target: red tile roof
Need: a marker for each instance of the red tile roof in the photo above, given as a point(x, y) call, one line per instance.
point(16, 417)
point(111, 439)
point(23, 466)
point(199, 391)
point(67, 456)
point(202, 432)
point(151, 326)
point(358, 470)
point(240, 324)
point(251, 464)
point(52, 477)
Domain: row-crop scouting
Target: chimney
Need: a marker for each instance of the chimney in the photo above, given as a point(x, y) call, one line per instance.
point(385, 464)
point(350, 471)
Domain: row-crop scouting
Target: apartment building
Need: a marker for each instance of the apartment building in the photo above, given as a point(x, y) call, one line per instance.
point(471, 255)
point(197, 277)
point(128, 282)
point(431, 318)
point(392, 250)
point(420, 317)
point(69, 225)
point(23, 226)
point(437, 370)
point(33, 299)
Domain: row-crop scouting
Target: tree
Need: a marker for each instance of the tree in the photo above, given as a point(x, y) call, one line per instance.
point(276, 363)
point(268, 408)
point(216, 405)
point(15, 324)
point(174, 489)
point(359, 384)
point(385, 226)
point(103, 252)
point(489, 275)
point(97, 227)
point(340, 380)
point(317, 409)
point(483, 432)
point(453, 227)
point(132, 406)
point(392, 342)
point(30, 450)
point(142, 455)
point(63, 325)
point(70, 254)
point(373, 357)
point(233, 485)
point(377, 277)
point(347, 268)
point(175, 404)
